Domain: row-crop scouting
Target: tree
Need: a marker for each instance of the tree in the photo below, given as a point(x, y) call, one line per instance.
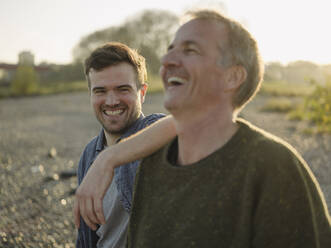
point(25, 81)
point(149, 32)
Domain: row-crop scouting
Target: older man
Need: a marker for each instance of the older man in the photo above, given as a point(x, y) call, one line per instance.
point(116, 77)
point(222, 182)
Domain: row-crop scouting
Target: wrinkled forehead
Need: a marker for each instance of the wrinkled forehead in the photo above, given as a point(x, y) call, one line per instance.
point(202, 30)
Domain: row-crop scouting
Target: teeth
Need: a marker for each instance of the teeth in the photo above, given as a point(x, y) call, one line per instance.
point(115, 112)
point(176, 80)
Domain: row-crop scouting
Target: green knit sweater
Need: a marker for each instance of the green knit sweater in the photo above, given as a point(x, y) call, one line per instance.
point(255, 191)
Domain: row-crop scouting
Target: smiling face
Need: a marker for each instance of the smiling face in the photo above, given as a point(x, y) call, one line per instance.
point(191, 71)
point(115, 99)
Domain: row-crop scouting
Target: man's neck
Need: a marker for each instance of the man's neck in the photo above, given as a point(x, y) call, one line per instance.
point(111, 139)
point(200, 137)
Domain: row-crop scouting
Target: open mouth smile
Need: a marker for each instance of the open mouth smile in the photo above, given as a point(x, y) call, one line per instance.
point(176, 81)
point(113, 112)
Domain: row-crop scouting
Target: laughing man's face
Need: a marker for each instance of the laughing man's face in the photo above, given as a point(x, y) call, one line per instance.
point(191, 69)
point(115, 99)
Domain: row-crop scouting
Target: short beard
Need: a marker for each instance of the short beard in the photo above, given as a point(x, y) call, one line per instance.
point(119, 132)
point(124, 129)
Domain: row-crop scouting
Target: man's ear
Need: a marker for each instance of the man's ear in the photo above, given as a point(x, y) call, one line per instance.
point(235, 76)
point(143, 91)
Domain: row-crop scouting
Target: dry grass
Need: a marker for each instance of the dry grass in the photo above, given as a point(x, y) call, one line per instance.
point(279, 104)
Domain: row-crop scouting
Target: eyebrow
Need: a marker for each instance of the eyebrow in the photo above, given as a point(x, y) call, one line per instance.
point(98, 88)
point(185, 44)
point(117, 87)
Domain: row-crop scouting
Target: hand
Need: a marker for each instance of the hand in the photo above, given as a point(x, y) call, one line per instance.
point(90, 193)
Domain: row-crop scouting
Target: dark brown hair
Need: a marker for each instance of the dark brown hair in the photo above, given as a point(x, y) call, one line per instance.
point(113, 53)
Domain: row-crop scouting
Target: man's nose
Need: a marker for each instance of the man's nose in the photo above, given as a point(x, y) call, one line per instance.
point(112, 99)
point(171, 58)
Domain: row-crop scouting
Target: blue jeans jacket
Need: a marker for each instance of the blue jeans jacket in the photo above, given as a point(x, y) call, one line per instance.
point(124, 175)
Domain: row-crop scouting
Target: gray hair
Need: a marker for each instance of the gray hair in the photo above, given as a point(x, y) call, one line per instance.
point(241, 49)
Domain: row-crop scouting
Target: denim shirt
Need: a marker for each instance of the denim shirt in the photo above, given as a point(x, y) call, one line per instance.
point(124, 175)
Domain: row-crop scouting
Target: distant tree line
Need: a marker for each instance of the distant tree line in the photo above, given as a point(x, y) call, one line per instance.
point(149, 32)
point(299, 72)
point(52, 79)
point(62, 73)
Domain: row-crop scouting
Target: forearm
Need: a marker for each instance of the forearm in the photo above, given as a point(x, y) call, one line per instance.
point(141, 144)
point(88, 202)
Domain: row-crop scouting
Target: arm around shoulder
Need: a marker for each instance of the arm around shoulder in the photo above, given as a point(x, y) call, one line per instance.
point(88, 202)
point(141, 144)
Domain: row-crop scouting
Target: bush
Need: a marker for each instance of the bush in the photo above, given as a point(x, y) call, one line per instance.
point(318, 106)
point(25, 81)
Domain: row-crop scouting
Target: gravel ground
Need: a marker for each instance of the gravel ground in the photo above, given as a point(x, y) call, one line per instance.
point(42, 137)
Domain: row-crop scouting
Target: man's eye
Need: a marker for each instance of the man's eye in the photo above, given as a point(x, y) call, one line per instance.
point(98, 92)
point(124, 90)
point(190, 51)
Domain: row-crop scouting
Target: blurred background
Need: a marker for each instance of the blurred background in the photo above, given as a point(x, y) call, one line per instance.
point(46, 120)
point(54, 37)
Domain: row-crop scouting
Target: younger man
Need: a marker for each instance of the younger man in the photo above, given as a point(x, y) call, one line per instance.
point(116, 77)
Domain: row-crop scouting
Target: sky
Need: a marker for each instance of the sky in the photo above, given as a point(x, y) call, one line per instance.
point(286, 30)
